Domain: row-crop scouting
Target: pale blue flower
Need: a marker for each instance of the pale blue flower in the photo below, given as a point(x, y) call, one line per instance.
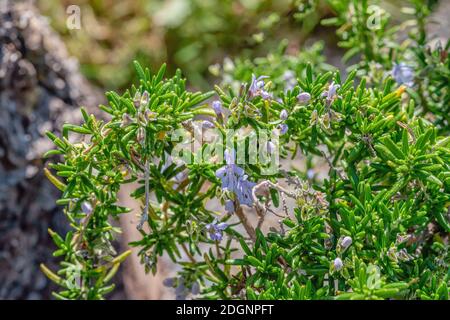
point(403, 74)
point(270, 147)
point(169, 282)
point(230, 173)
point(346, 242)
point(195, 289)
point(310, 174)
point(244, 191)
point(283, 128)
point(338, 264)
point(303, 98)
point(289, 78)
point(284, 114)
point(331, 93)
point(234, 179)
point(217, 107)
point(181, 291)
point(229, 206)
point(215, 230)
point(221, 112)
point(207, 124)
point(257, 88)
point(266, 95)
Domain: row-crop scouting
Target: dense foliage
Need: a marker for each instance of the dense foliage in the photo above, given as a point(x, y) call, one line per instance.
point(376, 226)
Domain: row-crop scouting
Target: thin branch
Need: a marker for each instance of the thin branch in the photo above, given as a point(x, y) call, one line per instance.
point(248, 227)
point(144, 216)
point(186, 251)
point(260, 210)
point(332, 166)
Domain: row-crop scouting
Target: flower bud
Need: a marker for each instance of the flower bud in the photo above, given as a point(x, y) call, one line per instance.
point(270, 147)
point(346, 242)
point(137, 100)
point(126, 120)
point(283, 114)
point(145, 99)
point(338, 264)
point(313, 117)
point(326, 121)
point(228, 65)
point(150, 115)
point(217, 107)
point(303, 98)
point(195, 289)
point(207, 124)
point(140, 135)
point(169, 282)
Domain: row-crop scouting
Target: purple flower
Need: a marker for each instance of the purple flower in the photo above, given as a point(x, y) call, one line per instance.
point(234, 179)
point(230, 173)
point(244, 191)
point(215, 230)
point(266, 95)
point(283, 114)
point(346, 242)
point(331, 93)
point(289, 77)
point(283, 128)
point(221, 112)
point(257, 88)
point(181, 291)
point(229, 206)
point(310, 174)
point(217, 107)
point(195, 289)
point(145, 99)
point(403, 74)
point(270, 147)
point(137, 100)
point(303, 98)
point(169, 282)
point(338, 264)
point(207, 124)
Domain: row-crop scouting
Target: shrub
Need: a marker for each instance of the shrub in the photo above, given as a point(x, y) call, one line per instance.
point(375, 227)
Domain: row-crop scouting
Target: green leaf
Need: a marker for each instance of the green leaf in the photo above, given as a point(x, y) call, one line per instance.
point(275, 197)
point(140, 72)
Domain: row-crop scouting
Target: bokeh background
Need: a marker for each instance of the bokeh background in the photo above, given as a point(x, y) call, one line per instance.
point(47, 71)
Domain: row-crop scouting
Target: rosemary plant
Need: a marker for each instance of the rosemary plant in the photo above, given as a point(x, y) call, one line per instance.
point(222, 207)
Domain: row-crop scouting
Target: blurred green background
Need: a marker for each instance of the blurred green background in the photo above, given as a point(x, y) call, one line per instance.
point(187, 34)
point(190, 34)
